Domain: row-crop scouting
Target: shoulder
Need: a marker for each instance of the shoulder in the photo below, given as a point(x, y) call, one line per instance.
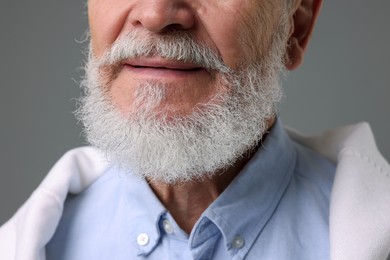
point(359, 210)
point(32, 226)
point(314, 171)
point(78, 167)
point(331, 143)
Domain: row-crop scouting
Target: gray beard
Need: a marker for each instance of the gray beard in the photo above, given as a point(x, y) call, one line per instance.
point(181, 148)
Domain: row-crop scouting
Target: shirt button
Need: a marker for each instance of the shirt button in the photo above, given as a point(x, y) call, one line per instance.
point(167, 226)
point(143, 239)
point(238, 242)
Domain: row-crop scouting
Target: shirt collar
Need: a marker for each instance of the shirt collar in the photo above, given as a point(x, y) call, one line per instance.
point(243, 209)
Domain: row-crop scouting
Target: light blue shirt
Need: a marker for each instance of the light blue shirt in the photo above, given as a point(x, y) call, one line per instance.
point(277, 208)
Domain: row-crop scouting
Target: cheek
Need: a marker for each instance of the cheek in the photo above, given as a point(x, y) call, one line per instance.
point(106, 19)
point(235, 34)
point(268, 21)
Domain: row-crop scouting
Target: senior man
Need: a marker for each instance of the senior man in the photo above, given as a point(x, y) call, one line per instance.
point(190, 160)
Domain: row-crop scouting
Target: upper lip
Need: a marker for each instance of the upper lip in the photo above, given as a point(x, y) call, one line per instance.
point(158, 62)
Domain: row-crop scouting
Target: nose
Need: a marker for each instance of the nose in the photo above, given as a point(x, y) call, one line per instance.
point(160, 15)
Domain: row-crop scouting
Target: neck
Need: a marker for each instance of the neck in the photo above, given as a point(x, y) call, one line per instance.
point(187, 201)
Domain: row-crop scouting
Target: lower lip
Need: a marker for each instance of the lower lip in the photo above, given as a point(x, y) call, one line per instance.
point(163, 72)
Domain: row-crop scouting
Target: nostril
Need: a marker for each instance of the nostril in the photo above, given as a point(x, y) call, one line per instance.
point(162, 16)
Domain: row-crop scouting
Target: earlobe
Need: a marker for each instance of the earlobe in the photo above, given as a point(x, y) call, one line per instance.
point(303, 20)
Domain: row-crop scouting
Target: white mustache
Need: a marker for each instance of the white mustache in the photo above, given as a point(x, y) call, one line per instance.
point(173, 46)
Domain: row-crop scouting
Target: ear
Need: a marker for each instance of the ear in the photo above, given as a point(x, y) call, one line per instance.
point(303, 18)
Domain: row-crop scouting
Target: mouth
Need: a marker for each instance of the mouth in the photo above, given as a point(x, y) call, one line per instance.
point(160, 68)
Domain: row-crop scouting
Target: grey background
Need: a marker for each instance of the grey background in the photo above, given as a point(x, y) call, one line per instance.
point(345, 79)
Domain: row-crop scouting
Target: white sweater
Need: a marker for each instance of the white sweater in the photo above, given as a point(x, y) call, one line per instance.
point(359, 209)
